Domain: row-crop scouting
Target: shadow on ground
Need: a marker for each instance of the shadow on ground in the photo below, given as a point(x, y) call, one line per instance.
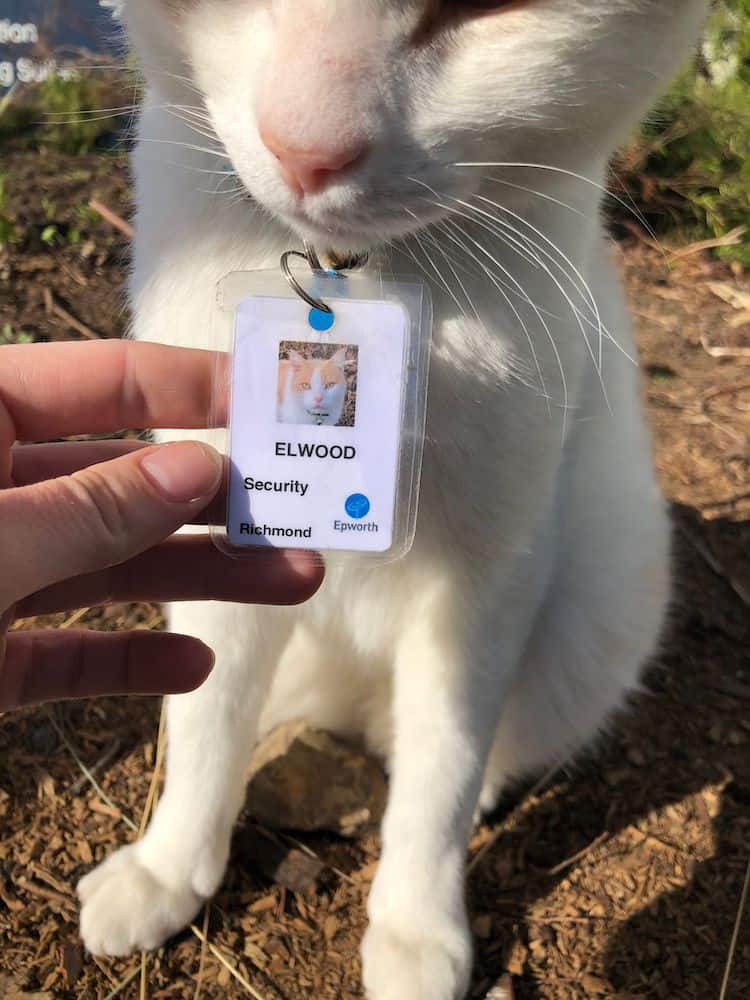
point(660, 814)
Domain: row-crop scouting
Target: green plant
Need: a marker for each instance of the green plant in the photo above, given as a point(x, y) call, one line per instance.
point(50, 208)
point(689, 168)
point(50, 235)
point(10, 336)
point(87, 214)
point(68, 107)
point(8, 231)
point(61, 113)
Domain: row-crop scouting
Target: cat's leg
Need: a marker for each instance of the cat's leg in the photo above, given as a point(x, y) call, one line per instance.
point(446, 702)
point(601, 619)
point(325, 680)
point(314, 681)
point(151, 889)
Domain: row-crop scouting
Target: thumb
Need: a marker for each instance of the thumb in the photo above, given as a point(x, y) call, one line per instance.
point(102, 515)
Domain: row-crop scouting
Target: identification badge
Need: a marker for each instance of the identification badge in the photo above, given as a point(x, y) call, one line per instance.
point(326, 420)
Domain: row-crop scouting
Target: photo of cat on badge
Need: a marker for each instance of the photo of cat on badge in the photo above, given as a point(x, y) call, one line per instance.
point(317, 384)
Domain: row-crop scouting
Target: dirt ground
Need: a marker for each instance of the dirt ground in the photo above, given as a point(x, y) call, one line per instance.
point(620, 877)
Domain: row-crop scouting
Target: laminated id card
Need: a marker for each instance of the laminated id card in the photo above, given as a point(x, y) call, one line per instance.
point(326, 410)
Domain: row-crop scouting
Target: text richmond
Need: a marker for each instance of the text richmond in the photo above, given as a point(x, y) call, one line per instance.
point(264, 530)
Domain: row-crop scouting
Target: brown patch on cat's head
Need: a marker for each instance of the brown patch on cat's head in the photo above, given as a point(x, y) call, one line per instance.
point(439, 14)
point(302, 371)
point(331, 369)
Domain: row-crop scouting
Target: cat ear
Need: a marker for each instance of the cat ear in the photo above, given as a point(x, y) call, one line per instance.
point(339, 358)
point(296, 359)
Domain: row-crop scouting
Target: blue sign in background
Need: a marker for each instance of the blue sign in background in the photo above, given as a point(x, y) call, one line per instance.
point(34, 32)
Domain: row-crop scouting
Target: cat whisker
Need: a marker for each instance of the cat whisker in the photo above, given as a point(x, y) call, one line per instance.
point(515, 291)
point(222, 178)
point(440, 276)
point(505, 226)
point(587, 295)
point(452, 225)
point(200, 125)
point(525, 222)
point(63, 118)
point(525, 252)
point(231, 172)
point(235, 195)
point(237, 198)
point(192, 112)
point(184, 80)
point(446, 257)
point(193, 108)
point(538, 194)
point(437, 271)
point(558, 285)
point(599, 327)
point(103, 114)
point(188, 145)
point(533, 259)
point(483, 270)
point(426, 232)
point(524, 296)
point(408, 250)
point(529, 250)
point(569, 173)
point(46, 121)
point(192, 126)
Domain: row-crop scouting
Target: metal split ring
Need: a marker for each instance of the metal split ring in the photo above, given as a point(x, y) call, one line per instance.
point(312, 259)
point(311, 256)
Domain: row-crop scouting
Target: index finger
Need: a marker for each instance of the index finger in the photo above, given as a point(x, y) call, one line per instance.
point(56, 390)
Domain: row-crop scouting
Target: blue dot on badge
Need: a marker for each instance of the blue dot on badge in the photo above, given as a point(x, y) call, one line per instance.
point(320, 320)
point(357, 506)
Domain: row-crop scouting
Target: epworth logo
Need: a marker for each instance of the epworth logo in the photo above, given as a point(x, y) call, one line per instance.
point(38, 37)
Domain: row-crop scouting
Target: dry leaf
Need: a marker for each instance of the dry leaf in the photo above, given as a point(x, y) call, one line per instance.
point(330, 927)
point(503, 990)
point(45, 784)
point(729, 293)
point(96, 805)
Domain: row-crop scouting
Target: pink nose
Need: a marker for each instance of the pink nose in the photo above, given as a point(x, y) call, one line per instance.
point(307, 171)
point(318, 399)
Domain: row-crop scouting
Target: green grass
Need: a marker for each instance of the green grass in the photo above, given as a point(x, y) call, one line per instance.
point(10, 336)
point(63, 114)
point(689, 168)
point(50, 235)
point(8, 231)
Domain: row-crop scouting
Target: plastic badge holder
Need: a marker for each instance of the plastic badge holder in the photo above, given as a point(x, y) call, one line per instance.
point(326, 413)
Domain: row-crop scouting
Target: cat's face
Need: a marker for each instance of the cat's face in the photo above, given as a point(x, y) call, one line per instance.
point(345, 118)
point(319, 385)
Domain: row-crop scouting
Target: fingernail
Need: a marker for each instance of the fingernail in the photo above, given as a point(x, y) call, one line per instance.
point(302, 561)
point(183, 472)
point(308, 566)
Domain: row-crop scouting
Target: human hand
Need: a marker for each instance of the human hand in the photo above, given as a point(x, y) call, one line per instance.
point(84, 523)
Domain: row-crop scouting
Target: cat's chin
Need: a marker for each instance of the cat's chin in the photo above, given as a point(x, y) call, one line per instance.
point(355, 228)
point(356, 238)
point(342, 241)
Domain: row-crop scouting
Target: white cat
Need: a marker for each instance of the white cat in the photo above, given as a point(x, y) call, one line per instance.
point(468, 141)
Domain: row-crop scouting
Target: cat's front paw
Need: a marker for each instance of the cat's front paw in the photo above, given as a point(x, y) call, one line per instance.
point(418, 965)
point(126, 908)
